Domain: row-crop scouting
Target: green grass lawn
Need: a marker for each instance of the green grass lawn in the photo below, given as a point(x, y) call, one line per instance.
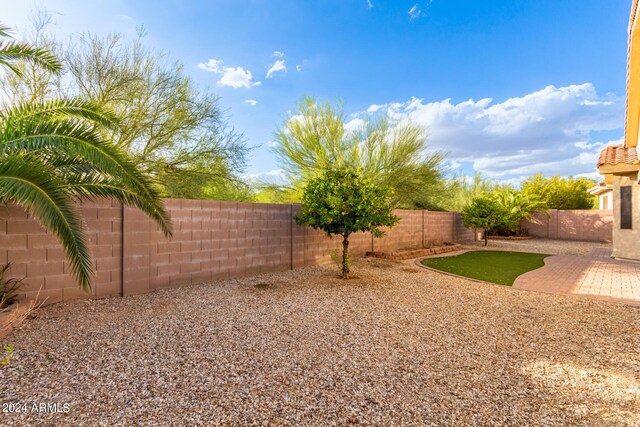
point(499, 267)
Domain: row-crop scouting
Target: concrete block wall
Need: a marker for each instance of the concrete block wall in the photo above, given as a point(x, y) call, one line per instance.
point(211, 240)
point(37, 256)
point(583, 225)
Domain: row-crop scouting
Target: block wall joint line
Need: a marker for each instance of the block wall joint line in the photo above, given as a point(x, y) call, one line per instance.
point(453, 227)
point(291, 220)
point(423, 230)
point(122, 255)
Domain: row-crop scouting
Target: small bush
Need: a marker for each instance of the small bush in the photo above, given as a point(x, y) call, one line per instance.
point(8, 287)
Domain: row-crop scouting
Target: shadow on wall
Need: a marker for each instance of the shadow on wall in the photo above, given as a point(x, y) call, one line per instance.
point(583, 225)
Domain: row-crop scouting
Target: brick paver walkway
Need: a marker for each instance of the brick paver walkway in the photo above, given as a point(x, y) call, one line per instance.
point(594, 276)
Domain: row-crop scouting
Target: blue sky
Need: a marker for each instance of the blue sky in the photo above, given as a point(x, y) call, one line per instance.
point(507, 88)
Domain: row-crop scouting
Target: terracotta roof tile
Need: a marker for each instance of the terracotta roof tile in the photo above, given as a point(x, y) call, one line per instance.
point(616, 154)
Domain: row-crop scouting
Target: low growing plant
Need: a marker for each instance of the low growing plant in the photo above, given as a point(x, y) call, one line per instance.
point(6, 357)
point(8, 287)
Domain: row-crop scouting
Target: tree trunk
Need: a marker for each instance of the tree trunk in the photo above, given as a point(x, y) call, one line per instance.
point(345, 256)
point(486, 238)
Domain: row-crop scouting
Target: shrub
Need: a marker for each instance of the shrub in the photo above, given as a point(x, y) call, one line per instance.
point(516, 206)
point(484, 212)
point(341, 202)
point(8, 287)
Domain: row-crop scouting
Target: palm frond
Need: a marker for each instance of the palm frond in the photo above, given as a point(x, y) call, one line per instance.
point(78, 139)
point(13, 51)
point(27, 181)
point(62, 108)
point(5, 31)
point(96, 186)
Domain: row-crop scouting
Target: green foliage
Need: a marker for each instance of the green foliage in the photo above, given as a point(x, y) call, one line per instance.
point(501, 211)
point(484, 212)
point(55, 151)
point(169, 127)
point(13, 52)
point(8, 287)
point(392, 155)
point(342, 202)
point(560, 193)
point(516, 206)
point(6, 357)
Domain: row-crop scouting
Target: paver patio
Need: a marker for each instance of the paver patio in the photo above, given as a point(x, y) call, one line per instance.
point(594, 276)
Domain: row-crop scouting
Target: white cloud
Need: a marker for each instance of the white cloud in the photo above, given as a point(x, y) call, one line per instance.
point(278, 174)
point(415, 12)
point(212, 65)
point(278, 54)
point(298, 68)
point(277, 66)
point(354, 125)
point(235, 77)
point(369, 4)
point(256, 83)
point(251, 102)
point(549, 131)
point(374, 107)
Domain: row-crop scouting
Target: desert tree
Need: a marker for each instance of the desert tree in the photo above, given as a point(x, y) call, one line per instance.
point(391, 154)
point(560, 193)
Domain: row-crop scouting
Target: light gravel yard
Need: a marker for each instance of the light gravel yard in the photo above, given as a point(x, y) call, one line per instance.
point(398, 345)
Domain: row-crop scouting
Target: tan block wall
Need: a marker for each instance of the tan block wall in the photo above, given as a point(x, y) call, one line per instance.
point(626, 243)
point(38, 257)
point(582, 225)
point(211, 240)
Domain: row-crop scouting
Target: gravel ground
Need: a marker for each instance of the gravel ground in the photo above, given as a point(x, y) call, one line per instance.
point(545, 246)
point(398, 345)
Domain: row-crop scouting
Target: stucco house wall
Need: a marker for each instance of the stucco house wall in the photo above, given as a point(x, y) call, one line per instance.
point(626, 242)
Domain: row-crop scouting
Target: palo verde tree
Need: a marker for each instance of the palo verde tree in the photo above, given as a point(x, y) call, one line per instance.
point(484, 212)
point(342, 202)
point(391, 154)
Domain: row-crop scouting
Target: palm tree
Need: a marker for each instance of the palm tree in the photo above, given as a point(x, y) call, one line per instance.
point(517, 206)
point(54, 152)
point(12, 52)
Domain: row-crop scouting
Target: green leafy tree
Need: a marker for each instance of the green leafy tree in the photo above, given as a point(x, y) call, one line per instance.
point(560, 193)
point(484, 212)
point(342, 202)
point(53, 152)
point(392, 155)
